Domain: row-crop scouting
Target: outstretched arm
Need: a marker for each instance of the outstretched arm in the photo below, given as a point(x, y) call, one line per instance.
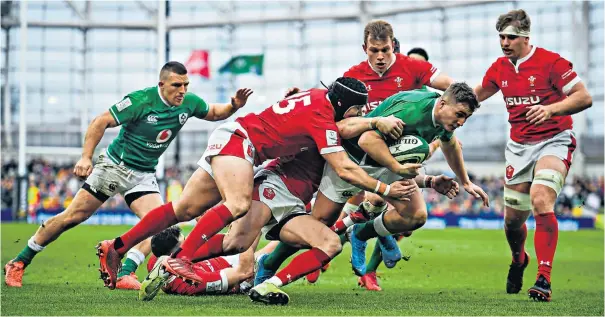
point(218, 111)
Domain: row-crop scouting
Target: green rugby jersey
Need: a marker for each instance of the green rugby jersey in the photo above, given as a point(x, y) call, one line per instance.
point(149, 124)
point(415, 109)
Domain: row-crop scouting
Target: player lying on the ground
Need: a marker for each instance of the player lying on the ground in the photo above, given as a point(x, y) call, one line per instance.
point(222, 275)
point(221, 188)
point(427, 115)
point(150, 118)
point(541, 92)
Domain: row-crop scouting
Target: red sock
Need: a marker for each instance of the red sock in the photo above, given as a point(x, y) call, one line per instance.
point(213, 221)
point(339, 227)
point(545, 242)
point(210, 249)
point(302, 265)
point(154, 222)
point(516, 241)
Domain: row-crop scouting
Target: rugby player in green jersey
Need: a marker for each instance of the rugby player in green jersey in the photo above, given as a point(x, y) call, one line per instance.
point(427, 115)
point(150, 119)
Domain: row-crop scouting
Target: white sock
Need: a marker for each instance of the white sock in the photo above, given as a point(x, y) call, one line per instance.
point(33, 245)
point(224, 282)
point(135, 255)
point(275, 281)
point(349, 208)
point(380, 228)
point(347, 221)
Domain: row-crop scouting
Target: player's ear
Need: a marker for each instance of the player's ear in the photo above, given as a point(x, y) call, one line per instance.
point(161, 83)
point(364, 47)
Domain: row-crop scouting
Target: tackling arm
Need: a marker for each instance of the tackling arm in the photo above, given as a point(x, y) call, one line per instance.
point(484, 93)
point(441, 82)
point(355, 126)
point(351, 173)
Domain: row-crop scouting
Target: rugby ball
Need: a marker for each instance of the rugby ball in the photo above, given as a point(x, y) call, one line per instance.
point(409, 149)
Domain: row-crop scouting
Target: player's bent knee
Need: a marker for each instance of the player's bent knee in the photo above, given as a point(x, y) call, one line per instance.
point(331, 245)
point(419, 220)
point(240, 206)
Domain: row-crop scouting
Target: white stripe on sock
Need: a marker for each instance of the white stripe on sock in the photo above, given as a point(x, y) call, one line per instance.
point(33, 245)
point(380, 228)
point(275, 281)
point(224, 282)
point(135, 255)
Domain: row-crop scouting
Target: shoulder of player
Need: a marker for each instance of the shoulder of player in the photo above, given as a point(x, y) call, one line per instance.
point(191, 99)
point(143, 96)
point(357, 70)
point(543, 53)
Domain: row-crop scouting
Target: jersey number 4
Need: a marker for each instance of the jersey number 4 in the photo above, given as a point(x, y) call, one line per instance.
point(290, 102)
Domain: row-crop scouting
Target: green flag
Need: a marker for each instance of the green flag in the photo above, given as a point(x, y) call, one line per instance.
point(243, 64)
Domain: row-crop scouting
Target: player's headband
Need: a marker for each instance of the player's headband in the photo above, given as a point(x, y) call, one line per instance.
point(511, 30)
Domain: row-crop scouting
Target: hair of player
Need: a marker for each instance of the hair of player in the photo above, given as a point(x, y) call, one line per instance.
point(172, 67)
point(461, 93)
point(378, 30)
point(163, 242)
point(420, 51)
point(349, 92)
point(396, 45)
point(516, 18)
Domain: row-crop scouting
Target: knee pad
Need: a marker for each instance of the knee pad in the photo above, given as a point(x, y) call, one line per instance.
point(516, 200)
point(550, 178)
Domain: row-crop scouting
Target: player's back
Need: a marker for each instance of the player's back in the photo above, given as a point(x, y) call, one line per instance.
point(292, 125)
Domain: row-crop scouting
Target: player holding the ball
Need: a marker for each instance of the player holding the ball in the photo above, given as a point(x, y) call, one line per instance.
point(428, 116)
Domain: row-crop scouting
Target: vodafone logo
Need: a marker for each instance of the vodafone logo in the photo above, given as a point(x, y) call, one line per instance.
point(163, 136)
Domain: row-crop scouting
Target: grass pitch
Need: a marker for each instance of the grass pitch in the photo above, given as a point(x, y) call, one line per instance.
point(451, 272)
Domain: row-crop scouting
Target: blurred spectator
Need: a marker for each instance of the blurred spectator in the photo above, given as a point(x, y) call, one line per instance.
point(54, 186)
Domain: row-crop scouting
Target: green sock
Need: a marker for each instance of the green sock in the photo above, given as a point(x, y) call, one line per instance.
point(128, 267)
point(365, 231)
point(375, 259)
point(281, 253)
point(26, 256)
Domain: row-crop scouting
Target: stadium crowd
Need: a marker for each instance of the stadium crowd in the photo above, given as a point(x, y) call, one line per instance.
point(53, 186)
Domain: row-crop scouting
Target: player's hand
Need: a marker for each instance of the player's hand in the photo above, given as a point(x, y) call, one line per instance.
point(477, 192)
point(538, 114)
point(83, 168)
point(446, 186)
point(292, 91)
point(402, 190)
point(240, 98)
point(391, 126)
point(409, 170)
